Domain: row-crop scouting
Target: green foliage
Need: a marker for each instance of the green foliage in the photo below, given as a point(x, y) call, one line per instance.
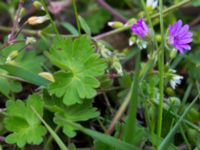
point(97, 19)
point(7, 86)
point(194, 65)
point(84, 25)
point(196, 2)
point(80, 66)
point(23, 124)
point(29, 60)
point(70, 28)
point(75, 113)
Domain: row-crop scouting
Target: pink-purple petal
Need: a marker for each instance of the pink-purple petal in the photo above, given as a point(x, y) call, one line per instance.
point(179, 36)
point(140, 28)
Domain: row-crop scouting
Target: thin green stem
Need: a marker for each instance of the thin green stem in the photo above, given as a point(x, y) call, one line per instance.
point(51, 20)
point(132, 121)
point(161, 72)
point(148, 66)
point(124, 28)
point(51, 131)
point(149, 21)
point(185, 137)
point(186, 95)
point(173, 7)
point(166, 141)
point(76, 15)
point(50, 139)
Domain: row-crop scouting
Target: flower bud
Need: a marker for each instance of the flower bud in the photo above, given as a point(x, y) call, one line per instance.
point(11, 62)
point(47, 76)
point(38, 5)
point(115, 24)
point(106, 53)
point(132, 20)
point(158, 38)
point(174, 101)
point(132, 40)
point(30, 40)
point(118, 67)
point(34, 20)
point(12, 56)
point(173, 53)
point(22, 11)
point(170, 91)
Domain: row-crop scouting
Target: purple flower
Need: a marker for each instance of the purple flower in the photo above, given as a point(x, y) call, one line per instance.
point(140, 28)
point(180, 37)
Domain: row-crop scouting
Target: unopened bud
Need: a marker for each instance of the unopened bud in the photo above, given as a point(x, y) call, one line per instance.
point(169, 91)
point(141, 14)
point(37, 20)
point(173, 53)
point(30, 40)
point(22, 11)
point(118, 67)
point(11, 62)
point(131, 21)
point(12, 56)
point(158, 38)
point(132, 40)
point(47, 76)
point(174, 101)
point(38, 5)
point(106, 53)
point(115, 24)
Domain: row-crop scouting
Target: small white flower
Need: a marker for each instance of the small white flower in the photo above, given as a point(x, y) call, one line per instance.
point(141, 44)
point(30, 40)
point(176, 79)
point(111, 23)
point(152, 3)
point(130, 42)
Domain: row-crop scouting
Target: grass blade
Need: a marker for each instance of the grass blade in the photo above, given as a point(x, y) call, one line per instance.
point(111, 141)
point(165, 143)
point(53, 134)
point(132, 121)
point(25, 74)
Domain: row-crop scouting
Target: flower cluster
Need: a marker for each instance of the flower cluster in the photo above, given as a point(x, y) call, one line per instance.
point(179, 36)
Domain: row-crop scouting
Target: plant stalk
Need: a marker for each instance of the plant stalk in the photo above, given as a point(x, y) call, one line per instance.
point(161, 72)
point(76, 16)
point(130, 126)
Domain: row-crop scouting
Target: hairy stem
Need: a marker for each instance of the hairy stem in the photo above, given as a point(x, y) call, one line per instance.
point(161, 72)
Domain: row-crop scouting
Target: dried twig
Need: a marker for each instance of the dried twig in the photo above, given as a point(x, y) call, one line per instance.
point(112, 11)
point(11, 36)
